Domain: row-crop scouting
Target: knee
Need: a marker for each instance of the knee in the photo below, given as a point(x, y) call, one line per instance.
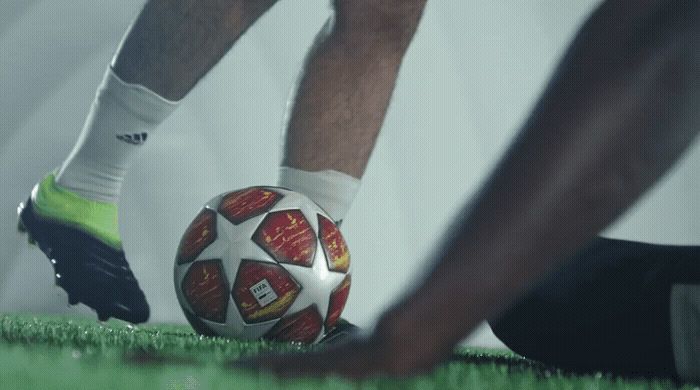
point(391, 21)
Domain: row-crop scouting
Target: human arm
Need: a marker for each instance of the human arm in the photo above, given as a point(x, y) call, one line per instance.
point(620, 109)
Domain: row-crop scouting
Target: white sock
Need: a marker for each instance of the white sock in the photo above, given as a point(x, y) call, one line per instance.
point(332, 190)
point(121, 118)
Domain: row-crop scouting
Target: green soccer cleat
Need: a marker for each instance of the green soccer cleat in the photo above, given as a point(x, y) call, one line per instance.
point(81, 239)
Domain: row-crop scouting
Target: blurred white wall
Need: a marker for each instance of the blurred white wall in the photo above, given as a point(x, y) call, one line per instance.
point(469, 79)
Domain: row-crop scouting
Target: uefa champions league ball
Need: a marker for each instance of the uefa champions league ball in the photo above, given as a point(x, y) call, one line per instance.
point(262, 262)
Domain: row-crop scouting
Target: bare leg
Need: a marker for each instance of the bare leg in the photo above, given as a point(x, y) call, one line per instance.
point(173, 44)
point(73, 214)
point(347, 84)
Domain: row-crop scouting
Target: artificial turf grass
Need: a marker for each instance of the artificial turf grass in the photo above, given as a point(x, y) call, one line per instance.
point(63, 352)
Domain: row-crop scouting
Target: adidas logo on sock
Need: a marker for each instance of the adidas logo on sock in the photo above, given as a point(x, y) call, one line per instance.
point(134, 139)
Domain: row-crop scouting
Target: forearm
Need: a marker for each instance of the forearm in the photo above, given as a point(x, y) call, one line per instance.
point(619, 111)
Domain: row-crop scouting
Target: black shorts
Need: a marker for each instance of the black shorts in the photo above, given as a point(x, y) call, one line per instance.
point(608, 310)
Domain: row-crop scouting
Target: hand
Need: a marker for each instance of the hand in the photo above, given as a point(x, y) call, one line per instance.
point(381, 353)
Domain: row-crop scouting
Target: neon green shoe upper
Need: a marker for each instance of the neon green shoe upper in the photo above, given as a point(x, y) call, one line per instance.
point(99, 219)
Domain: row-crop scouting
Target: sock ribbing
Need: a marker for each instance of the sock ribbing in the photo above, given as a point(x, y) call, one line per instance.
point(119, 122)
point(332, 190)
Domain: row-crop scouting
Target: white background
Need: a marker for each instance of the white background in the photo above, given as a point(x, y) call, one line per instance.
point(468, 81)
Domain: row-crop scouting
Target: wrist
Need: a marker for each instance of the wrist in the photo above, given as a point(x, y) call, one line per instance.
point(410, 345)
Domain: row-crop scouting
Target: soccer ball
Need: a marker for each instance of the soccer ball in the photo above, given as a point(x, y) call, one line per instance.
point(262, 262)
